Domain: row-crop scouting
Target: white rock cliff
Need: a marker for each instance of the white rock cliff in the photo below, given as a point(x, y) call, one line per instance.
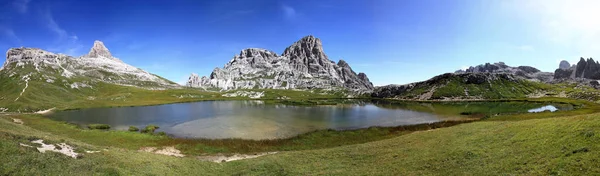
point(303, 65)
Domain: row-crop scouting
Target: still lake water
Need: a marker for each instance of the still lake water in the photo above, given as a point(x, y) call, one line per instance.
point(256, 120)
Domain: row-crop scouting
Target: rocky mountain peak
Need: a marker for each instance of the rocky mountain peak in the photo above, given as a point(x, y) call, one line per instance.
point(587, 69)
point(564, 65)
point(253, 52)
point(303, 65)
point(305, 47)
point(526, 72)
point(342, 63)
point(99, 50)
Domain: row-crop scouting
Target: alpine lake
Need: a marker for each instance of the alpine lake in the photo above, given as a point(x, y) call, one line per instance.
point(254, 119)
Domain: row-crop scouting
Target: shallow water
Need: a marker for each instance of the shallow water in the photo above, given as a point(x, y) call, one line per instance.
point(256, 120)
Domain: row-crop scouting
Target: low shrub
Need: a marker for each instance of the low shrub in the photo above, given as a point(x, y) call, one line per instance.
point(99, 126)
point(133, 129)
point(151, 128)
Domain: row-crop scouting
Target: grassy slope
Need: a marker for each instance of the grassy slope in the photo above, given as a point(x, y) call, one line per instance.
point(455, 86)
point(548, 146)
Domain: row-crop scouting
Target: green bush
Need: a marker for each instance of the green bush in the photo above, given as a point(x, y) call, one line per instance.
point(99, 126)
point(151, 128)
point(133, 129)
point(162, 133)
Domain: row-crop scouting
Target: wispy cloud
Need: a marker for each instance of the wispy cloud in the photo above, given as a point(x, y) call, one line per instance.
point(10, 34)
point(67, 43)
point(55, 28)
point(21, 5)
point(288, 11)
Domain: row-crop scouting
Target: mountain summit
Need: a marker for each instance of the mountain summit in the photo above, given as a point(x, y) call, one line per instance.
point(99, 50)
point(303, 65)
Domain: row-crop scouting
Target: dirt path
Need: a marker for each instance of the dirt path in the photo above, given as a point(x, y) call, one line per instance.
point(223, 158)
point(169, 151)
point(26, 85)
point(219, 158)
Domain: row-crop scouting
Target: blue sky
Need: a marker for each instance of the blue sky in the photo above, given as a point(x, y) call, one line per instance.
point(393, 41)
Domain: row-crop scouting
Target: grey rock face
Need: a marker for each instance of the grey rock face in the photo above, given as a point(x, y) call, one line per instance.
point(585, 69)
point(303, 65)
point(526, 72)
point(99, 50)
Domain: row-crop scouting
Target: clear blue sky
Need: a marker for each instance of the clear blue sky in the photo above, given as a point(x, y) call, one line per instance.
point(393, 41)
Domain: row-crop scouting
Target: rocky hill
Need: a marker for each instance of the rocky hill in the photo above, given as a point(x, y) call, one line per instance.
point(97, 65)
point(588, 69)
point(32, 79)
point(527, 72)
point(303, 65)
point(460, 86)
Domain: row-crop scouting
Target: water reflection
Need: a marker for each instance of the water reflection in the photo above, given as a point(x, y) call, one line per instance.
point(257, 120)
point(544, 108)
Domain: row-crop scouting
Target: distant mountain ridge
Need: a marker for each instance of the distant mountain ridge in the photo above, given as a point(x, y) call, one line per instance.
point(97, 65)
point(303, 65)
point(527, 72)
point(461, 86)
point(32, 79)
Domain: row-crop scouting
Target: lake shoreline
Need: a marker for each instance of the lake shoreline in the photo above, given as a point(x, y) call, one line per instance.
point(306, 141)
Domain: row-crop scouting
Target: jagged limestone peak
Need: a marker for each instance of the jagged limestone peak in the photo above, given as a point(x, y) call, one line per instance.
point(99, 50)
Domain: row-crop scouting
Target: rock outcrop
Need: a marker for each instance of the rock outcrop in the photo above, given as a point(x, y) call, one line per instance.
point(527, 72)
point(98, 64)
point(303, 65)
point(99, 50)
point(585, 69)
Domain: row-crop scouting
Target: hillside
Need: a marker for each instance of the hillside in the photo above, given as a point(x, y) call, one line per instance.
point(462, 86)
point(32, 79)
point(497, 81)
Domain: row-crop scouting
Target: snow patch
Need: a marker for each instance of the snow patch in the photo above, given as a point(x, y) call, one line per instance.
point(45, 111)
point(18, 121)
point(62, 148)
point(77, 85)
